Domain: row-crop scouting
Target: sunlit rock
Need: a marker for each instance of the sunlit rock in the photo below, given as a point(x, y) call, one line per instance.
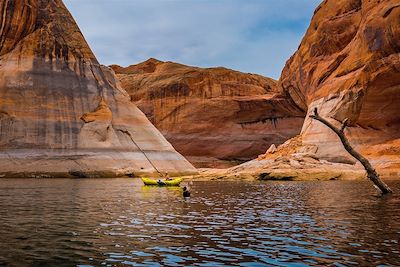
point(63, 114)
point(348, 67)
point(216, 116)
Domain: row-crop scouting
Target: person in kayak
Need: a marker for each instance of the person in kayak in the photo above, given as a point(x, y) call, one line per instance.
point(167, 177)
point(159, 182)
point(186, 192)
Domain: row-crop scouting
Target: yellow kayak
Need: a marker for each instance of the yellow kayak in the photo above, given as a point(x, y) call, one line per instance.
point(174, 182)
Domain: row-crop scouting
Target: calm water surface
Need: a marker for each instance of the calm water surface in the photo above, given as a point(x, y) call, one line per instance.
point(118, 222)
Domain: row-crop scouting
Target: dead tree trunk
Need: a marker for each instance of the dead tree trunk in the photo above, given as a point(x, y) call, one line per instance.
point(371, 172)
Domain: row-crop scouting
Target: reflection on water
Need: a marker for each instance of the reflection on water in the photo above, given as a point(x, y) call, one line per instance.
point(119, 222)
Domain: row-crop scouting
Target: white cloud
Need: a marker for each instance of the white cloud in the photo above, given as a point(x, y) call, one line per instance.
point(252, 36)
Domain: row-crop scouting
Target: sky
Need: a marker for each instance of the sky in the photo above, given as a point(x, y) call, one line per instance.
point(255, 36)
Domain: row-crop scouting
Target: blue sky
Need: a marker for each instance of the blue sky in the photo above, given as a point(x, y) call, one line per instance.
point(256, 36)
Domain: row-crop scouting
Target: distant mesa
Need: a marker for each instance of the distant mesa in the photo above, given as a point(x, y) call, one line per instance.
point(63, 114)
point(216, 117)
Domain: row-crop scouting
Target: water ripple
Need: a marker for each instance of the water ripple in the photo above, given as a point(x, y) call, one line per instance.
point(117, 222)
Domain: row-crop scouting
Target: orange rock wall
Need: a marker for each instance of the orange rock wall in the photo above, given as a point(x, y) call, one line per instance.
point(215, 117)
point(61, 113)
point(348, 65)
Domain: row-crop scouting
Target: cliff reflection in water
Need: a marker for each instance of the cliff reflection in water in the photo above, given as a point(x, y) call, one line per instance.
point(118, 222)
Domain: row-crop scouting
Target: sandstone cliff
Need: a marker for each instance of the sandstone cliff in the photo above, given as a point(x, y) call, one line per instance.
point(61, 113)
point(348, 66)
point(216, 116)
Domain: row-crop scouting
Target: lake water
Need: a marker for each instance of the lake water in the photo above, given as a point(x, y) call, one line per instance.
point(119, 222)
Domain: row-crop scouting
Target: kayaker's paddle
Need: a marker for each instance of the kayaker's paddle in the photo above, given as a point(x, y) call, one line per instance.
point(133, 141)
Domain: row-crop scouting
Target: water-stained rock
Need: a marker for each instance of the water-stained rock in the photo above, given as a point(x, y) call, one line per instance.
point(216, 116)
point(348, 65)
point(60, 111)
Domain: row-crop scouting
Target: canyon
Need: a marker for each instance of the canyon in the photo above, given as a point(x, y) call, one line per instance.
point(347, 66)
point(64, 114)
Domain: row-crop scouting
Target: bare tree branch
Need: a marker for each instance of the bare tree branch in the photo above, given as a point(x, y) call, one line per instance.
point(371, 172)
point(344, 124)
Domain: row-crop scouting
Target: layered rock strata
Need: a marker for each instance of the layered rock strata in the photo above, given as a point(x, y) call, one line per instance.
point(61, 112)
point(348, 66)
point(216, 117)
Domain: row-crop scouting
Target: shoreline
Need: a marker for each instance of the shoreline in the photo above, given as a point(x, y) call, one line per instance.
point(322, 173)
point(290, 175)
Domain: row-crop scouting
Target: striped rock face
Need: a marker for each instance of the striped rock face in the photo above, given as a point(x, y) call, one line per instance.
point(63, 114)
point(213, 116)
point(348, 66)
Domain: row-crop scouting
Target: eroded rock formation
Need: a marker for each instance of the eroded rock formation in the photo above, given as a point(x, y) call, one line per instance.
point(348, 65)
point(61, 113)
point(215, 117)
